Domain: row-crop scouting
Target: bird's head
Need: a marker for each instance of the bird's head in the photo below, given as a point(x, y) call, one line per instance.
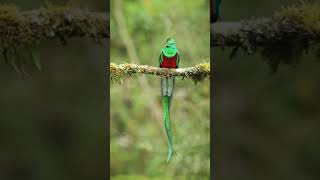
point(170, 42)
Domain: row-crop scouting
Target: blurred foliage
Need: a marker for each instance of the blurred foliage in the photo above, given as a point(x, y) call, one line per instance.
point(138, 139)
point(265, 126)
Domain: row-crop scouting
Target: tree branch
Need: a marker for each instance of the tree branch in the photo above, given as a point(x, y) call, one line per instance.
point(196, 73)
point(282, 38)
point(50, 22)
point(258, 33)
point(291, 23)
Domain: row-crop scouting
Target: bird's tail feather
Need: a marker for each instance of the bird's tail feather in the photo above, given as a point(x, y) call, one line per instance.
point(167, 86)
point(166, 113)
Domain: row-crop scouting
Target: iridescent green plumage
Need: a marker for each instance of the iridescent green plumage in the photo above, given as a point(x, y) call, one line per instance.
point(166, 112)
point(169, 58)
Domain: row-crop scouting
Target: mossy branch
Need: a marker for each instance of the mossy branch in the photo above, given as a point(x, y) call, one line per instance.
point(196, 73)
point(49, 22)
point(21, 31)
point(283, 38)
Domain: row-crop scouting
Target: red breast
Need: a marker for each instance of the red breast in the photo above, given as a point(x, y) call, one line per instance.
point(169, 62)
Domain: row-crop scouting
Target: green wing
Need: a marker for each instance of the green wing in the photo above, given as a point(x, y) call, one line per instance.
point(178, 59)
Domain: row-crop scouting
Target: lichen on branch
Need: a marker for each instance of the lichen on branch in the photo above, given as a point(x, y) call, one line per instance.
point(49, 22)
point(23, 30)
point(283, 38)
point(197, 73)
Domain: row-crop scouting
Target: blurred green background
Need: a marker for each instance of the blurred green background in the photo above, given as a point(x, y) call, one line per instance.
point(265, 126)
point(138, 141)
point(53, 124)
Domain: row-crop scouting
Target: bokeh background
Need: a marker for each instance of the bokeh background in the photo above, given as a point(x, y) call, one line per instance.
point(53, 123)
point(266, 126)
point(138, 143)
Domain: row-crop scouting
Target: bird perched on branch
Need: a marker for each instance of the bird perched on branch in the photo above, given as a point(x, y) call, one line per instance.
point(169, 58)
point(214, 10)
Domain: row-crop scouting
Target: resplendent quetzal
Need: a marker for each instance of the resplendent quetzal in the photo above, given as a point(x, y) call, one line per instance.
point(214, 10)
point(169, 58)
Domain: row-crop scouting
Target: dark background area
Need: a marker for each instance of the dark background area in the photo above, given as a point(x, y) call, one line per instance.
point(266, 126)
point(53, 124)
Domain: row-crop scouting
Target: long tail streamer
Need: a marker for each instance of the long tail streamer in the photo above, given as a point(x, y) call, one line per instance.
point(167, 86)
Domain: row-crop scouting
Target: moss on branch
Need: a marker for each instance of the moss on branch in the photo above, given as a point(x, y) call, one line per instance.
point(283, 38)
point(49, 22)
point(21, 31)
point(197, 73)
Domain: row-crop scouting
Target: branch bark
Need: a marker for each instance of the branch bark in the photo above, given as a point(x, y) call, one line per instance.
point(257, 33)
point(51, 22)
point(198, 72)
point(280, 40)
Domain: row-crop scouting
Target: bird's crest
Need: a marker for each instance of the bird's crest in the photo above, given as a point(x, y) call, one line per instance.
point(170, 42)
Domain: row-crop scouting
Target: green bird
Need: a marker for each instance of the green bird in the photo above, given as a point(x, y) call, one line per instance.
point(169, 58)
